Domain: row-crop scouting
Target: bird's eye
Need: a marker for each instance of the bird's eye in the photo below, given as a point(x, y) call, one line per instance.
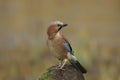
point(58, 25)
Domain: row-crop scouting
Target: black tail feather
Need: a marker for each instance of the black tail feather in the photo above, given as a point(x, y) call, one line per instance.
point(78, 65)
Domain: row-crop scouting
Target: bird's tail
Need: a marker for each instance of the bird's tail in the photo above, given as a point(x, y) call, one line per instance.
point(76, 64)
point(82, 69)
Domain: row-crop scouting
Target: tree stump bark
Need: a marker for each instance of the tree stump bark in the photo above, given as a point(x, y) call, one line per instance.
point(69, 73)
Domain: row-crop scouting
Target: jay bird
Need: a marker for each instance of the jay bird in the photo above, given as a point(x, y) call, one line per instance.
point(60, 46)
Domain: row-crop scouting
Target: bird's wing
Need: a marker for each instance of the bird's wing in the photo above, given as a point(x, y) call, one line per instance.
point(68, 46)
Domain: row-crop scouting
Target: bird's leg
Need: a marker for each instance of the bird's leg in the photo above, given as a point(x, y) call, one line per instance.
point(59, 64)
point(62, 65)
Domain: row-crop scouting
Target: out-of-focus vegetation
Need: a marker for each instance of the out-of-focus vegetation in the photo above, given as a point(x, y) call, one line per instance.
point(94, 33)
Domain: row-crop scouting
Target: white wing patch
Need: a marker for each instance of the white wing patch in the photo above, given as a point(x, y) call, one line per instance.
point(71, 57)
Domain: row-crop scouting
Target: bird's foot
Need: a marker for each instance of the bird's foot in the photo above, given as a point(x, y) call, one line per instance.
point(61, 68)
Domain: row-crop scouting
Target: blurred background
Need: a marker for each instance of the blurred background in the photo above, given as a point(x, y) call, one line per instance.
point(94, 33)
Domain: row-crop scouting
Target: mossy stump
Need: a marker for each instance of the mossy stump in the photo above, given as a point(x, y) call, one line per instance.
point(69, 73)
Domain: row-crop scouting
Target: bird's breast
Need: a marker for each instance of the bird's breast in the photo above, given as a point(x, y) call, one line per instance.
point(57, 49)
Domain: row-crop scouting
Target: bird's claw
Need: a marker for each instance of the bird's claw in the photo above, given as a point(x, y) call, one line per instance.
point(61, 69)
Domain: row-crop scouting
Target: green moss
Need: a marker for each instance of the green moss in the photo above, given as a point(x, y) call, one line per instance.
point(48, 75)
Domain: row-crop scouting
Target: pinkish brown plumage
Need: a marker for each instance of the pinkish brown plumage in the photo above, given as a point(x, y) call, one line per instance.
point(60, 47)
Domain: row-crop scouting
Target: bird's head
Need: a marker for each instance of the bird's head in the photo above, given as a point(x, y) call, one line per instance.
point(54, 28)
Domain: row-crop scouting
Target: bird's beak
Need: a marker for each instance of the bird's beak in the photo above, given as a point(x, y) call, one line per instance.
point(64, 25)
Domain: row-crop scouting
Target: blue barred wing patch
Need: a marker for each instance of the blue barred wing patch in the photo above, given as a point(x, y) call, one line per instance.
point(68, 47)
